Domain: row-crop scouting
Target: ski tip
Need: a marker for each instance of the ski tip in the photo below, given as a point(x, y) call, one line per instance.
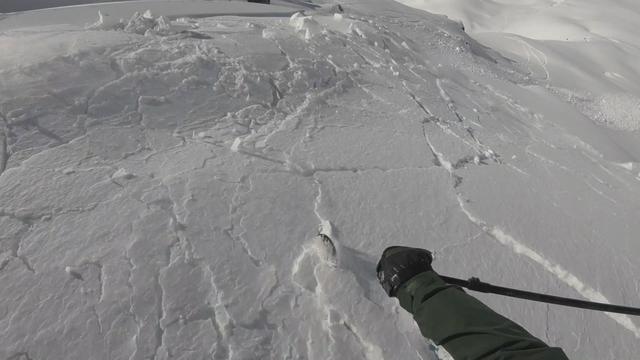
point(326, 229)
point(326, 250)
point(328, 244)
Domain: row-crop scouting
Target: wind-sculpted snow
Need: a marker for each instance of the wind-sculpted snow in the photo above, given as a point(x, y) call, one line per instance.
point(162, 192)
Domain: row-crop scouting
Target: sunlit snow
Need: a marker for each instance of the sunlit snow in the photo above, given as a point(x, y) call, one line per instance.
point(166, 167)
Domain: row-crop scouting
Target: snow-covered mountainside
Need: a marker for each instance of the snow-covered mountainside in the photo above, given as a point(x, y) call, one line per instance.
point(586, 51)
point(163, 177)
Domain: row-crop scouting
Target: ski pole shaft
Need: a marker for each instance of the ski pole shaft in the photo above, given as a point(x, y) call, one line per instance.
point(476, 285)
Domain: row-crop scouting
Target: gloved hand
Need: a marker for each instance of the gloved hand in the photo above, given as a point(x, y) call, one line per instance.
point(399, 264)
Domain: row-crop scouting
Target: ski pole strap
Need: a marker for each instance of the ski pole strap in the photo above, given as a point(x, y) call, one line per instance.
point(476, 285)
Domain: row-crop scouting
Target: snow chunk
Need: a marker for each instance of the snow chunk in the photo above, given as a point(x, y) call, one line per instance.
point(305, 24)
point(355, 30)
point(98, 22)
point(73, 272)
point(236, 144)
point(626, 165)
point(142, 24)
point(105, 22)
point(146, 24)
point(163, 24)
point(122, 174)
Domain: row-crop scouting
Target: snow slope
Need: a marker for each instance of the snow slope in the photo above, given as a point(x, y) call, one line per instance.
point(8, 6)
point(586, 50)
point(163, 179)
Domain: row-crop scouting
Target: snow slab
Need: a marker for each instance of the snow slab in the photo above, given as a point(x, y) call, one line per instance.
point(163, 183)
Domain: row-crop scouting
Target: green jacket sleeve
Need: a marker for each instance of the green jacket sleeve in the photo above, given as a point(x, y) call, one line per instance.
point(467, 328)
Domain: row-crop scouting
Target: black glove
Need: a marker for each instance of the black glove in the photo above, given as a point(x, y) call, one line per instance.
point(399, 264)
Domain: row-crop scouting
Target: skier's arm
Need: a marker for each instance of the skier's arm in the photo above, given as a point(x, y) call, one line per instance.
point(467, 328)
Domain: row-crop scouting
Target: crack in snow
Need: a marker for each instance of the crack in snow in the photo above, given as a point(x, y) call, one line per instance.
point(518, 248)
point(4, 263)
point(423, 107)
point(311, 171)
point(20, 356)
point(25, 261)
point(100, 268)
point(257, 155)
point(136, 319)
point(481, 155)
point(33, 122)
point(222, 352)
point(29, 219)
point(16, 245)
point(325, 225)
point(233, 214)
point(439, 159)
point(580, 176)
point(131, 267)
point(546, 329)
point(160, 293)
point(275, 92)
point(4, 150)
point(370, 351)
point(478, 159)
point(98, 319)
point(450, 105)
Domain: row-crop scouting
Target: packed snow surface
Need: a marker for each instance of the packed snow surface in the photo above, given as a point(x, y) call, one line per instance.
point(164, 175)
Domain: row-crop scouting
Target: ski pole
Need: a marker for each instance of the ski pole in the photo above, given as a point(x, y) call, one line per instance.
point(476, 285)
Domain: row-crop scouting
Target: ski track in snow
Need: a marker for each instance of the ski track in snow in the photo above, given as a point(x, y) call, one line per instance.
point(558, 271)
point(517, 247)
point(165, 194)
